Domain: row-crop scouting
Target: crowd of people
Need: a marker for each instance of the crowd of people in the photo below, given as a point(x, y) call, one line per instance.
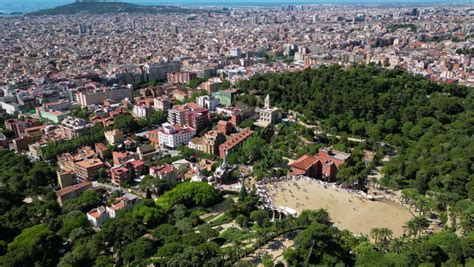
point(268, 188)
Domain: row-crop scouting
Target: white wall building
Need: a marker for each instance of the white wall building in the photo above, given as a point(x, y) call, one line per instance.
point(139, 111)
point(208, 102)
point(173, 136)
point(98, 216)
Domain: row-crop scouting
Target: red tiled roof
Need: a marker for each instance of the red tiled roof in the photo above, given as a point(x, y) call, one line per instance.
point(296, 172)
point(119, 170)
point(137, 163)
point(94, 213)
point(89, 163)
point(237, 138)
point(72, 188)
point(193, 105)
point(101, 146)
point(165, 169)
point(119, 204)
point(304, 162)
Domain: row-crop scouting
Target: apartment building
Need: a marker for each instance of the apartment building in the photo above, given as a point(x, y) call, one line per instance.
point(122, 157)
point(209, 143)
point(88, 169)
point(165, 172)
point(161, 103)
point(189, 114)
point(114, 137)
point(18, 126)
point(99, 95)
point(72, 127)
point(208, 102)
point(172, 136)
point(181, 77)
point(211, 85)
point(226, 97)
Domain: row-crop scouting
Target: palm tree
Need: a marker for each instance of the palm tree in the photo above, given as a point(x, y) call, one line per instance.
point(453, 213)
point(386, 234)
point(416, 225)
point(398, 245)
point(309, 254)
point(375, 233)
point(263, 233)
point(280, 225)
point(289, 222)
point(409, 196)
point(422, 223)
point(440, 200)
point(410, 228)
point(425, 205)
point(381, 235)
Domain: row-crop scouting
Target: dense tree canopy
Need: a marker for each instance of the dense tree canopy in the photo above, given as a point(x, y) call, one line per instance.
point(190, 195)
point(126, 123)
point(430, 125)
point(55, 148)
point(35, 245)
point(85, 202)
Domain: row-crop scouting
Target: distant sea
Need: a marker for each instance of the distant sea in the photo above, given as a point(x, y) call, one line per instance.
point(24, 6)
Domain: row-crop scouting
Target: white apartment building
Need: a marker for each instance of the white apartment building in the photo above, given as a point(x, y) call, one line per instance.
point(208, 102)
point(139, 111)
point(173, 135)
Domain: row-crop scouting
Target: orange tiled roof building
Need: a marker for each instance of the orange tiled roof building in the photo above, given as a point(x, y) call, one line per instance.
point(234, 142)
point(322, 166)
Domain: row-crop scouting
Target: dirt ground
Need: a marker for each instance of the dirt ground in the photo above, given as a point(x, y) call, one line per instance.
point(347, 210)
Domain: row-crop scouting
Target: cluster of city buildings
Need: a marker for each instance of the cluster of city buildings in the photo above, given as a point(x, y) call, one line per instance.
point(129, 48)
point(61, 76)
point(121, 160)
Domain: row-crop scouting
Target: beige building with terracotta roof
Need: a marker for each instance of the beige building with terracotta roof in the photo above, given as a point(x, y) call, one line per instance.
point(72, 191)
point(88, 169)
point(114, 137)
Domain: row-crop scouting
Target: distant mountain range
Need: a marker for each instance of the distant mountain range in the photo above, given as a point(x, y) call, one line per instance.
point(111, 7)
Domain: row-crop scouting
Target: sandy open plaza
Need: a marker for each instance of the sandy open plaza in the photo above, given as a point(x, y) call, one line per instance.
point(348, 209)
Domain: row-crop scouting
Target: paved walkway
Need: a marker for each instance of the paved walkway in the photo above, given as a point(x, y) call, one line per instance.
point(117, 188)
point(317, 130)
point(274, 247)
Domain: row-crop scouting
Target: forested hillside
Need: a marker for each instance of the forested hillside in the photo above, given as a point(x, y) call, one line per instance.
point(428, 124)
point(430, 127)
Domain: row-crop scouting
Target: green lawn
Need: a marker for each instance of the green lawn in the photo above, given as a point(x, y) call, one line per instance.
point(232, 234)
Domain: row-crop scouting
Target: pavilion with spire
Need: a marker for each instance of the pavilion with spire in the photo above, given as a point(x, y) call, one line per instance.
point(268, 114)
point(223, 172)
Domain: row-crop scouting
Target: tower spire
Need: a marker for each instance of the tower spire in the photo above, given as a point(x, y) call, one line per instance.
point(267, 101)
point(224, 163)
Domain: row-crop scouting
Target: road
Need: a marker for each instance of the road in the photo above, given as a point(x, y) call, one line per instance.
point(318, 131)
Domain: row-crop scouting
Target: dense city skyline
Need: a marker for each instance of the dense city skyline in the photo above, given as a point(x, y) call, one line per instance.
point(289, 135)
point(23, 6)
